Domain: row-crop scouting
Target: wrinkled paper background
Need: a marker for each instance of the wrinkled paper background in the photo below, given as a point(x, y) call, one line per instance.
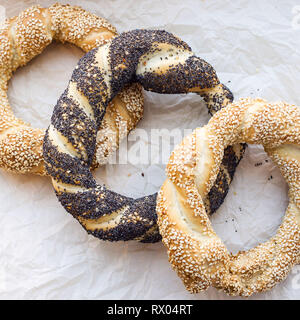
point(45, 254)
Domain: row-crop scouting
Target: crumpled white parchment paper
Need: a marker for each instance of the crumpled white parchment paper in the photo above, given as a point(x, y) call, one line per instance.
point(45, 254)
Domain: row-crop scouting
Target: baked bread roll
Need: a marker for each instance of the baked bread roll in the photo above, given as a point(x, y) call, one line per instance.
point(161, 62)
point(25, 36)
point(195, 251)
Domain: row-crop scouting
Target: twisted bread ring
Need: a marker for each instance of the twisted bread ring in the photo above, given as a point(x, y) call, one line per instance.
point(162, 63)
point(24, 37)
point(195, 251)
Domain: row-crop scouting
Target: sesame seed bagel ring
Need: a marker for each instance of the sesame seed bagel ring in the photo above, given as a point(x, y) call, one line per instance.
point(24, 37)
point(197, 254)
point(160, 62)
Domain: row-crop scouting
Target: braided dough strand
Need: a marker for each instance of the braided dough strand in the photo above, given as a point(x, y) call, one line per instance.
point(24, 37)
point(195, 251)
point(162, 63)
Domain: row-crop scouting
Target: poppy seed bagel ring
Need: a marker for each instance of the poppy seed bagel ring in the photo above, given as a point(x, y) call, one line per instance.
point(21, 39)
point(196, 253)
point(162, 63)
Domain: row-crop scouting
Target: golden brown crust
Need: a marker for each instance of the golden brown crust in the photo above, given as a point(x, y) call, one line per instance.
point(195, 251)
point(24, 37)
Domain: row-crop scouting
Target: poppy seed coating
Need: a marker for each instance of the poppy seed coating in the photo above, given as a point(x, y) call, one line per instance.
point(162, 63)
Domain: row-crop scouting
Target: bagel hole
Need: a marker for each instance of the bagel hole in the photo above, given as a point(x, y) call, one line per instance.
point(170, 115)
point(35, 88)
point(255, 204)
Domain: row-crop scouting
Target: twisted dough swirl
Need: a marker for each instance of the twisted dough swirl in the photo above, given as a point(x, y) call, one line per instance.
point(195, 251)
point(160, 62)
point(24, 37)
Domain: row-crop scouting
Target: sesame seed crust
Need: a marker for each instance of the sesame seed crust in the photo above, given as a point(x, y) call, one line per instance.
point(162, 63)
point(196, 253)
point(25, 36)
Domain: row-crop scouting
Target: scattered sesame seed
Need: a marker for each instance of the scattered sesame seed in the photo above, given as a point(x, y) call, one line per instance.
point(26, 36)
